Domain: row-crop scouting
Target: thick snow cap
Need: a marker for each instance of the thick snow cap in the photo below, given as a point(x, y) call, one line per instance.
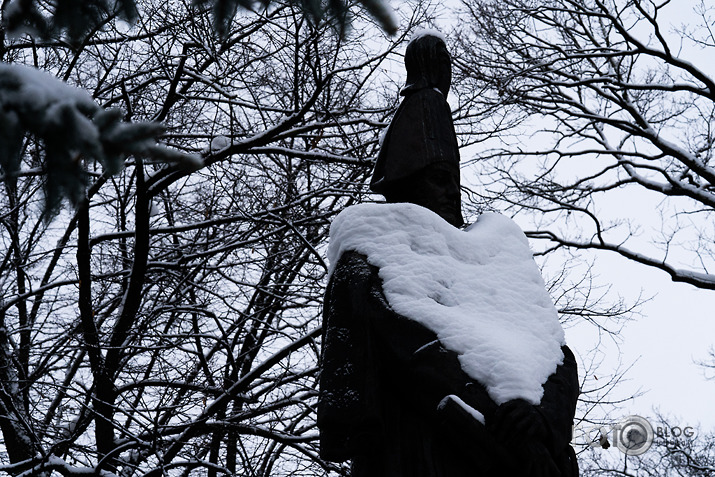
point(478, 289)
point(420, 32)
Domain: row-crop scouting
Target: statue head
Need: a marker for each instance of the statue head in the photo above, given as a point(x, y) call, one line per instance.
point(428, 64)
point(418, 160)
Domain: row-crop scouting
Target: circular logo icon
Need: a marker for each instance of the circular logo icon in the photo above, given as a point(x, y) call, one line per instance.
point(633, 435)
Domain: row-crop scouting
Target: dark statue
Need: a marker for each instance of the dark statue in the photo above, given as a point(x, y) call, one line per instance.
point(419, 158)
point(385, 379)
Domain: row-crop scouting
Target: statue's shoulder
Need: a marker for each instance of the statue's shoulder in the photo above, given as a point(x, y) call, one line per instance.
point(352, 267)
point(427, 114)
point(425, 99)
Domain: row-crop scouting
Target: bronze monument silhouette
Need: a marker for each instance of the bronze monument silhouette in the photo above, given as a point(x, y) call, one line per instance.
point(393, 399)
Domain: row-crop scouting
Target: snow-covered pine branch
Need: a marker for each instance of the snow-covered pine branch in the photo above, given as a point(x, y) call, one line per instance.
point(71, 127)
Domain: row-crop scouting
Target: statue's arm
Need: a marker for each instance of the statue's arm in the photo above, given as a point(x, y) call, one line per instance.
point(541, 434)
point(558, 405)
point(348, 398)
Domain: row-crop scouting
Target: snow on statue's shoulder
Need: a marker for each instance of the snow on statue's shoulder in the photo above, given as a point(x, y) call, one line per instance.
point(478, 289)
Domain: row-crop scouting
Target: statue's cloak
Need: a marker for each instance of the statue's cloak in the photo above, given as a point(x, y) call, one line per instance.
point(383, 377)
point(421, 134)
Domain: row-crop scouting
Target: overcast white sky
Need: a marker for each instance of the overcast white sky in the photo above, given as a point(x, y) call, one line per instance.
point(675, 330)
